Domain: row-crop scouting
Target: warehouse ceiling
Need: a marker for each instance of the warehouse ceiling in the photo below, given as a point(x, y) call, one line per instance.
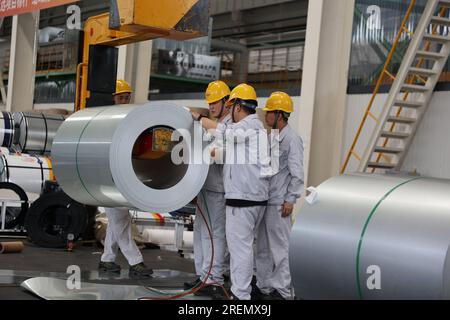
point(251, 23)
point(260, 23)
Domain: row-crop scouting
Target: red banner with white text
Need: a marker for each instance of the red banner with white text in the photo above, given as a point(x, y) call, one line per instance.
point(14, 7)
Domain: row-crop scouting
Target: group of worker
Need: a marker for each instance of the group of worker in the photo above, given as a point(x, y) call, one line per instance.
point(248, 209)
point(244, 214)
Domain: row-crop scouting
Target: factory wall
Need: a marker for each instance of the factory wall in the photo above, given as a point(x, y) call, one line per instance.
point(429, 154)
point(42, 107)
point(63, 106)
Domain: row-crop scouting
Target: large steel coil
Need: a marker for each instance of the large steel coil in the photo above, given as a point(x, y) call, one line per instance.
point(28, 172)
point(374, 237)
point(116, 157)
point(35, 131)
point(7, 131)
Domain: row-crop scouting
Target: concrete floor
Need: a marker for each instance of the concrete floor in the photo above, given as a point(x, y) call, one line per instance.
point(35, 261)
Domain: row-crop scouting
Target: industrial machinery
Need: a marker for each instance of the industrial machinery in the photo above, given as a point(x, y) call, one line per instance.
point(131, 21)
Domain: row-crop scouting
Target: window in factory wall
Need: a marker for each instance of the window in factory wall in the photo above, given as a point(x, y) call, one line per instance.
point(276, 59)
point(275, 68)
point(152, 153)
point(375, 26)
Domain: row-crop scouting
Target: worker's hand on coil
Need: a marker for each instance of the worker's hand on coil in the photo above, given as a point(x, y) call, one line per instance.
point(287, 209)
point(217, 154)
point(195, 115)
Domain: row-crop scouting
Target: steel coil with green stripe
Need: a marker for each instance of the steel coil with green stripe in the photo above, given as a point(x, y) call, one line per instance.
point(374, 237)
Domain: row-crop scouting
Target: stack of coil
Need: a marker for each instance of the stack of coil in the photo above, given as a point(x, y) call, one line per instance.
point(26, 139)
point(28, 172)
point(35, 131)
point(29, 132)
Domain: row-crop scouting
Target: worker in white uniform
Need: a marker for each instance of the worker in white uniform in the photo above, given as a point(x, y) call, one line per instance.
point(286, 186)
point(246, 184)
point(211, 201)
point(118, 232)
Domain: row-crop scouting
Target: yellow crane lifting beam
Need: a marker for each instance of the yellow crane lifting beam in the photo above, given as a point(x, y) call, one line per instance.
point(131, 21)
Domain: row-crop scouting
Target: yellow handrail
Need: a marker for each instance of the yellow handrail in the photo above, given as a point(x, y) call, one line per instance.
point(411, 81)
point(378, 85)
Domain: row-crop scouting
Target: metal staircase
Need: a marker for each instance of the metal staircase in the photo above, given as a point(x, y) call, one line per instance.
point(410, 93)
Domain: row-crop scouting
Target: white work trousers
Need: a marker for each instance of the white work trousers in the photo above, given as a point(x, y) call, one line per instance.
point(241, 228)
point(272, 252)
point(212, 204)
point(118, 235)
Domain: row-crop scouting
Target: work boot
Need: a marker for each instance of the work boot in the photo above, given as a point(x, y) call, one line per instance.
point(140, 270)
point(221, 296)
point(224, 294)
point(209, 291)
point(109, 267)
point(193, 284)
point(233, 297)
point(274, 295)
point(257, 294)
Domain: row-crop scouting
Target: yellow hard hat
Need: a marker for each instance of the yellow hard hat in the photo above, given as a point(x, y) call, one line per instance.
point(122, 87)
point(243, 92)
point(280, 101)
point(216, 91)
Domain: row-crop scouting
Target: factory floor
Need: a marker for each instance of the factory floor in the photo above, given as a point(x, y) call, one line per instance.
point(36, 262)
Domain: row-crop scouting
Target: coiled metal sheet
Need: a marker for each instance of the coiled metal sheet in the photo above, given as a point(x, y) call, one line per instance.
point(7, 131)
point(366, 226)
point(93, 158)
point(35, 131)
point(28, 172)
